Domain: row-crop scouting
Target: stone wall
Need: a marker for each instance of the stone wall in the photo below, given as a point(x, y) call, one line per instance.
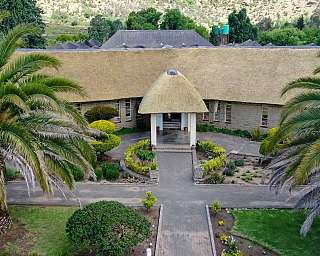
point(244, 116)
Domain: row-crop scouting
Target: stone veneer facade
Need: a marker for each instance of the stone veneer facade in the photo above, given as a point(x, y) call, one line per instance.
point(244, 116)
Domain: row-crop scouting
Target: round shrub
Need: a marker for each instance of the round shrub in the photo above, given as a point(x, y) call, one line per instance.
point(11, 173)
point(77, 173)
point(213, 164)
point(99, 174)
point(103, 146)
point(100, 113)
point(111, 171)
point(107, 228)
point(104, 126)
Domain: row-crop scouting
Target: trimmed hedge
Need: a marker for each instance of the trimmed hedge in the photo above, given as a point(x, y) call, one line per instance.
point(110, 171)
point(107, 228)
point(104, 126)
point(111, 142)
point(100, 113)
point(130, 158)
point(211, 128)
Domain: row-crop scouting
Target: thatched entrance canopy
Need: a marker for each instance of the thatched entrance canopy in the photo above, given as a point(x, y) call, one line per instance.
point(172, 93)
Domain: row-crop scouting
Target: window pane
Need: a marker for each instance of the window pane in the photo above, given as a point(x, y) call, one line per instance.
point(228, 113)
point(128, 109)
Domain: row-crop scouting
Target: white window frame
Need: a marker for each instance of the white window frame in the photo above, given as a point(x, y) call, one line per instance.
point(217, 111)
point(118, 108)
point(128, 110)
point(205, 115)
point(225, 113)
point(264, 116)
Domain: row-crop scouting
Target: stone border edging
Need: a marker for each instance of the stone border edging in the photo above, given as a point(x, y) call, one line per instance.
point(157, 253)
point(213, 245)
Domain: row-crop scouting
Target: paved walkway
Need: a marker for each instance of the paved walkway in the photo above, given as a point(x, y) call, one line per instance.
point(185, 230)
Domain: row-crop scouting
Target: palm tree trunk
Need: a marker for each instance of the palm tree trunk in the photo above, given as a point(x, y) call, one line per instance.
point(3, 195)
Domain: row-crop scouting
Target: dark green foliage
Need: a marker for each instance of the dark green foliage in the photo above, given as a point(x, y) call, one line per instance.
point(241, 28)
point(107, 228)
point(239, 162)
point(300, 23)
point(213, 38)
point(211, 128)
point(215, 178)
point(146, 19)
point(100, 113)
point(124, 131)
point(99, 174)
point(11, 173)
point(145, 155)
point(202, 31)
point(230, 168)
point(110, 171)
point(71, 38)
point(77, 173)
point(24, 11)
point(101, 29)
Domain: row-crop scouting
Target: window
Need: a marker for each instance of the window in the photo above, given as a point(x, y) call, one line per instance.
point(128, 110)
point(216, 113)
point(264, 116)
point(118, 108)
point(205, 116)
point(227, 114)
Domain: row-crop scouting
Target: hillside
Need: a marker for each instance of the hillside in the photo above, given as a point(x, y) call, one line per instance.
point(205, 12)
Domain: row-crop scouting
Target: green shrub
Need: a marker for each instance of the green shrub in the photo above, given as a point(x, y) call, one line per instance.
point(230, 168)
point(11, 173)
point(215, 178)
point(104, 126)
point(216, 207)
point(110, 171)
point(107, 228)
point(77, 173)
point(112, 141)
point(265, 146)
point(213, 165)
point(211, 128)
point(71, 38)
point(208, 147)
point(256, 134)
point(99, 174)
point(145, 155)
point(100, 113)
point(149, 200)
point(139, 167)
point(282, 37)
point(239, 162)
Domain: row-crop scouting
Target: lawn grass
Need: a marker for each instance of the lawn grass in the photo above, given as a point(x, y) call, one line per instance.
point(278, 230)
point(47, 224)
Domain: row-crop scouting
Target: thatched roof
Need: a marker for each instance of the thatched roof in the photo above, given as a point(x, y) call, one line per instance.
point(155, 39)
point(172, 93)
point(254, 75)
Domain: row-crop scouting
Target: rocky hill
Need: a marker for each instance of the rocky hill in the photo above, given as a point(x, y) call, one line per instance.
point(205, 12)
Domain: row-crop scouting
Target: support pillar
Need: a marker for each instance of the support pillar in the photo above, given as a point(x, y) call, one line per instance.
point(153, 125)
point(184, 121)
point(189, 119)
point(193, 129)
point(160, 121)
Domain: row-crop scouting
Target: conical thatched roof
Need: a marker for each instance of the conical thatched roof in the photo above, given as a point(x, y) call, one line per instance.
point(172, 93)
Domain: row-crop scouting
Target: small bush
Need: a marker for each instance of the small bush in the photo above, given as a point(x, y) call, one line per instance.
point(215, 178)
point(256, 134)
point(230, 168)
point(77, 173)
point(149, 200)
point(107, 228)
point(111, 171)
point(145, 155)
point(99, 174)
point(266, 145)
point(213, 165)
point(104, 126)
point(239, 162)
point(208, 147)
point(216, 207)
point(112, 141)
point(11, 173)
point(211, 128)
point(100, 113)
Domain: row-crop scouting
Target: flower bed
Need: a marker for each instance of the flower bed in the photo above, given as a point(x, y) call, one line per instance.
point(140, 158)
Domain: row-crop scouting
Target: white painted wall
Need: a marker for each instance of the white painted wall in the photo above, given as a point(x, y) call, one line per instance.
point(193, 129)
point(153, 125)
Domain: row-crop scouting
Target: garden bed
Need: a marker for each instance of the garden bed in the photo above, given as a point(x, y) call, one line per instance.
point(224, 232)
point(42, 230)
point(234, 168)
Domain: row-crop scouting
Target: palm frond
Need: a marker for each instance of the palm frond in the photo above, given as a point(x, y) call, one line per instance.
point(312, 215)
point(60, 84)
point(302, 83)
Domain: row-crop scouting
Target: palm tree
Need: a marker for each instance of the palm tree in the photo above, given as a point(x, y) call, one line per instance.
point(298, 160)
point(44, 136)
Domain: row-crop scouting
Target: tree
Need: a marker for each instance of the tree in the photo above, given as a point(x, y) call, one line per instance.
point(315, 19)
point(265, 24)
point(298, 160)
point(146, 19)
point(282, 37)
point(44, 136)
point(101, 29)
point(24, 12)
point(241, 28)
point(174, 20)
point(300, 23)
point(214, 37)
